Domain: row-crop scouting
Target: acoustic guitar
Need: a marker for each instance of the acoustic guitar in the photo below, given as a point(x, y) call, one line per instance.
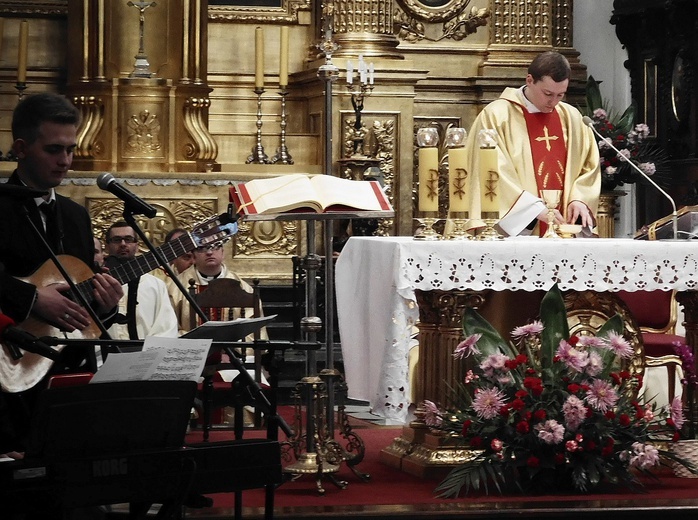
point(18, 375)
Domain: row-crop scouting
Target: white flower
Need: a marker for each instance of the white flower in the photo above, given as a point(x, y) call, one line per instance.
point(610, 170)
point(648, 167)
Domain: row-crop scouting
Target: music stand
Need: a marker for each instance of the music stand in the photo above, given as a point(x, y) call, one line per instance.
point(109, 418)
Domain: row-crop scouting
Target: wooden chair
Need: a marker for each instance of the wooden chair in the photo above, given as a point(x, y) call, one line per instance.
point(218, 299)
point(656, 314)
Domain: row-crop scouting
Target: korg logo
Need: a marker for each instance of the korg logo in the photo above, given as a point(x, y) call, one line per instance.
point(109, 467)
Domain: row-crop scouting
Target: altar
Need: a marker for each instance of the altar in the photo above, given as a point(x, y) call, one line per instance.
point(377, 278)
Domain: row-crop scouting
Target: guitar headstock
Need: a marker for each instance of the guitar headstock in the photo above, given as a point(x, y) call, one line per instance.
point(213, 230)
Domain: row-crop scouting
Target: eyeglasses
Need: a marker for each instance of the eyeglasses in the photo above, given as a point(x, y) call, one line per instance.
point(118, 240)
point(205, 249)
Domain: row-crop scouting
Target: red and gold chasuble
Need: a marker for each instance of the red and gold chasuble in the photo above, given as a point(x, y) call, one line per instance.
point(549, 152)
point(548, 149)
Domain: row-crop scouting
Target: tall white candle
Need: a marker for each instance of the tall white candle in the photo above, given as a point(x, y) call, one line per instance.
point(350, 72)
point(258, 58)
point(283, 57)
point(22, 52)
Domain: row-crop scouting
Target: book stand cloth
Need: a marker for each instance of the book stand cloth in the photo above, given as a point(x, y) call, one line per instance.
point(385, 293)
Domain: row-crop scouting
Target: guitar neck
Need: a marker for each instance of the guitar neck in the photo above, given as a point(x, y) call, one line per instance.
point(148, 261)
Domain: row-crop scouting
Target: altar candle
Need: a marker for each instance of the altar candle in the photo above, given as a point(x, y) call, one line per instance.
point(259, 58)
point(428, 179)
point(489, 179)
point(457, 181)
point(22, 52)
point(350, 72)
point(370, 73)
point(283, 64)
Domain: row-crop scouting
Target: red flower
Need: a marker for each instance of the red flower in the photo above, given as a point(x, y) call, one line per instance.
point(522, 427)
point(610, 415)
point(624, 420)
point(559, 458)
point(573, 340)
point(466, 426)
point(540, 415)
point(573, 388)
point(521, 394)
point(521, 359)
point(533, 462)
point(518, 405)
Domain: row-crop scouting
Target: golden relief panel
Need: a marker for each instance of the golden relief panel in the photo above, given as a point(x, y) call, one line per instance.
point(379, 142)
point(143, 135)
point(532, 22)
point(37, 7)
point(279, 238)
point(410, 23)
point(171, 213)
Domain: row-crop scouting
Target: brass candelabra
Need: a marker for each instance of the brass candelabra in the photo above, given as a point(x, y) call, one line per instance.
point(282, 155)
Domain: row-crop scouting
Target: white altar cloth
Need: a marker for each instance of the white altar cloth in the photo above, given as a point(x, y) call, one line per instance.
point(376, 278)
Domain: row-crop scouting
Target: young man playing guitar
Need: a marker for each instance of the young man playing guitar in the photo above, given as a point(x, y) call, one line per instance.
point(44, 130)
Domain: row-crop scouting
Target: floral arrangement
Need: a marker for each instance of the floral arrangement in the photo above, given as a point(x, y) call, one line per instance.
point(631, 139)
point(554, 411)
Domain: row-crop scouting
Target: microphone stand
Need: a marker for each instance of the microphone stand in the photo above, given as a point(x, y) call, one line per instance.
point(674, 215)
point(249, 382)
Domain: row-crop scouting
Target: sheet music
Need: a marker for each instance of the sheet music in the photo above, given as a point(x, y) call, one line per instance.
point(172, 359)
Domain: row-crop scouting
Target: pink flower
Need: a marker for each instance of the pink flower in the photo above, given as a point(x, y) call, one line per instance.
point(488, 402)
point(618, 344)
point(432, 415)
point(644, 456)
point(676, 413)
point(492, 363)
point(496, 445)
point(570, 356)
point(571, 446)
point(532, 329)
point(601, 396)
point(467, 347)
point(600, 113)
point(550, 432)
point(643, 130)
point(470, 377)
point(595, 365)
point(574, 411)
point(591, 341)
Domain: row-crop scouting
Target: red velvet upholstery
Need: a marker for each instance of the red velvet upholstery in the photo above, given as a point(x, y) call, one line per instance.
point(651, 309)
point(63, 380)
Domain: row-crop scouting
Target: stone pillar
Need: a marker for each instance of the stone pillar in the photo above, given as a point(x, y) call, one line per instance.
point(140, 111)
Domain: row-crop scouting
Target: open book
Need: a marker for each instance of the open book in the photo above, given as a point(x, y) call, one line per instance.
point(303, 193)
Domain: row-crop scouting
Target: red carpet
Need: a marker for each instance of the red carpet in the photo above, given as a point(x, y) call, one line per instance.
point(388, 486)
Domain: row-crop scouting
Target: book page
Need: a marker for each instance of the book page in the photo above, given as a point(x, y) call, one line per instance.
point(161, 359)
point(283, 193)
point(352, 194)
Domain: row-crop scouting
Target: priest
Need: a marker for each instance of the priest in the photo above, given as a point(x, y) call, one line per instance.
point(542, 144)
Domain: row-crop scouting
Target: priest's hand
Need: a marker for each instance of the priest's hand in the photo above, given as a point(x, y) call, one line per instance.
point(578, 213)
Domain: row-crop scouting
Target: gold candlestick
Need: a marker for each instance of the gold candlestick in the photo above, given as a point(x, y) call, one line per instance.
point(425, 230)
point(459, 231)
point(258, 156)
point(20, 87)
point(490, 218)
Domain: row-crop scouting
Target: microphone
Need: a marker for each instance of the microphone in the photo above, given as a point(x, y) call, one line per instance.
point(135, 204)
point(24, 340)
point(674, 216)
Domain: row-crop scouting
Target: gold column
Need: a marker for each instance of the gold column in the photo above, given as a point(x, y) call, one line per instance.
point(520, 29)
point(365, 27)
point(143, 124)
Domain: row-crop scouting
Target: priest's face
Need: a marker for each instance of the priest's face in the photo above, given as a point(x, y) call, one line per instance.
point(545, 93)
